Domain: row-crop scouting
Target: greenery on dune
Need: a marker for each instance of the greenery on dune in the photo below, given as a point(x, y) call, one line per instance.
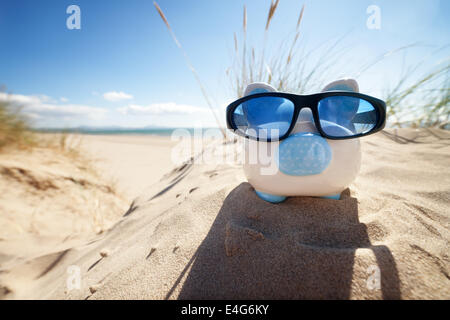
point(416, 100)
point(16, 132)
point(424, 102)
point(14, 128)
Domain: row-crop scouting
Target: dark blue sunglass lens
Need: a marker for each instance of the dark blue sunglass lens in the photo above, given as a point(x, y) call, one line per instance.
point(264, 117)
point(344, 116)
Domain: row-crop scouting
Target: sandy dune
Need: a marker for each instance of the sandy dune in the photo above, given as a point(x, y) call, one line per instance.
point(201, 232)
point(49, 201)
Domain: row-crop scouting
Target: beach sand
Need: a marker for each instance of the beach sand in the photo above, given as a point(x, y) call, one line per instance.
point(134, 161)
point(199, 231)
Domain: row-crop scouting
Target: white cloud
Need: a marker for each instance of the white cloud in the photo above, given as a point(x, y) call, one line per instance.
point(117, 96)
point(45, 98)
point(18, 99)
point(63, 99)
point(37, 107)
point(161, 108)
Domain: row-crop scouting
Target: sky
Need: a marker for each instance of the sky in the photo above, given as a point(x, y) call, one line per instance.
point(122, 68)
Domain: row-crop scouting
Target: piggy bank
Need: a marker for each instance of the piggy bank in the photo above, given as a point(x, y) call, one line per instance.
point(305, 163)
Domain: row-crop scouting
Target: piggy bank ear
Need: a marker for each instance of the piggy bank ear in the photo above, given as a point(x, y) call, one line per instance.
point(258, 87)
point(342, 85)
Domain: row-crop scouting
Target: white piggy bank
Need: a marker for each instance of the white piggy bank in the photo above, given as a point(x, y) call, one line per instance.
point(305, 163)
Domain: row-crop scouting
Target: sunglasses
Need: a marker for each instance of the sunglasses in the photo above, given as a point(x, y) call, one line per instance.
point(338, 115)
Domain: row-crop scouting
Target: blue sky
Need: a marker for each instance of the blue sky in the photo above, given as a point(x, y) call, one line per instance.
point(122, 67)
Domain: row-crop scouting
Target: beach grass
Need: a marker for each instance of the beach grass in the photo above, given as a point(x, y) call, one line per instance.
point(16, 132)
point(416, 100)
point(191, 67)
point(14, 128)
point(288, 65)
point(424, 102)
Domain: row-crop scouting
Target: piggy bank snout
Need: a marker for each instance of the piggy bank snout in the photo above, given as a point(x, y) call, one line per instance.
point(303, 154)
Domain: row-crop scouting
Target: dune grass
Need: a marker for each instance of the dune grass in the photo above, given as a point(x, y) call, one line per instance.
point(424, 102)
point(288, 66)
point(14, 128)
point(190, 66)
point(16, 133)
point(414, 101)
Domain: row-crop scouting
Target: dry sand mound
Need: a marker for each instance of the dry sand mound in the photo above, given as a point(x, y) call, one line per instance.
point(50, 201)
point(202, 233)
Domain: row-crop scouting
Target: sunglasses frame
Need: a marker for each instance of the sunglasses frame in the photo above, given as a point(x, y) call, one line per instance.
point(311, 102)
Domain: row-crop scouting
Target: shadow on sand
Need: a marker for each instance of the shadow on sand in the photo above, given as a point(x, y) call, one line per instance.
point(302, 248)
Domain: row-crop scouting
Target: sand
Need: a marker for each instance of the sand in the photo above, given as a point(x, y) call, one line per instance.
point(52, 199)
point(134, 161)
point(201, 232)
